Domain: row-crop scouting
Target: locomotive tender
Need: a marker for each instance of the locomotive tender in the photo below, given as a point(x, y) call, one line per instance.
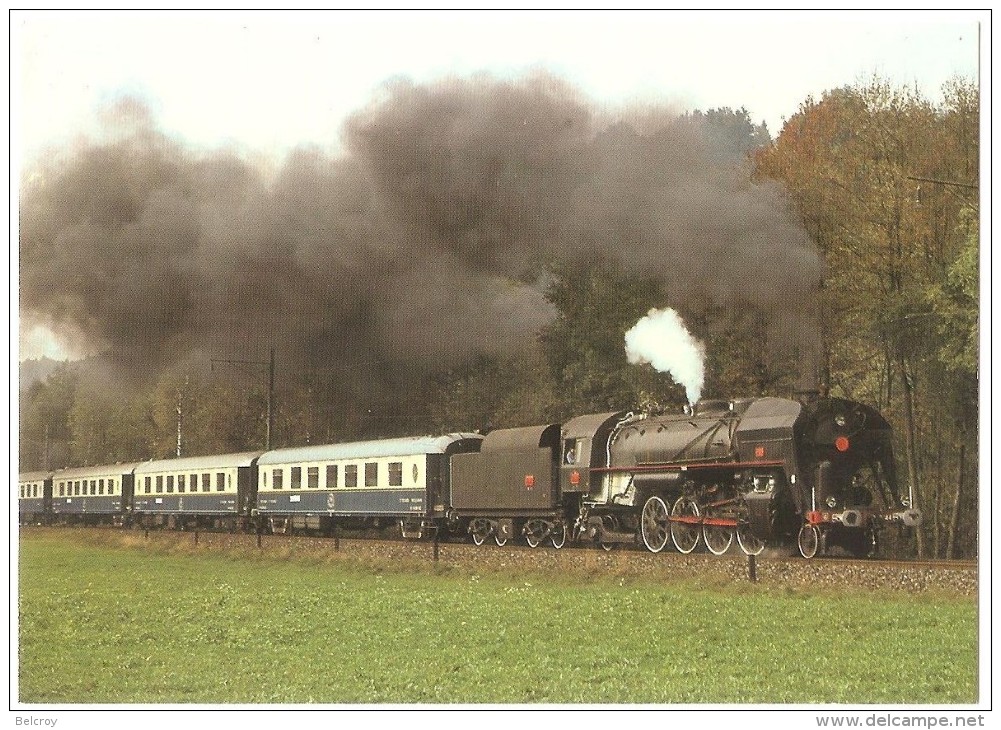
point(819, 473)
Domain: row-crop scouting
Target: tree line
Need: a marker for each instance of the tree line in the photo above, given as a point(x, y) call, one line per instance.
point(884, 180)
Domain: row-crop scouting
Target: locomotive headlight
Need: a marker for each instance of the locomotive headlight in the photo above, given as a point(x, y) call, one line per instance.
point(840, 420)
point(832, 502)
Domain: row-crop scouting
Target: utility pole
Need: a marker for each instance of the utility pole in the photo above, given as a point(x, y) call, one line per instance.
point(270, 364)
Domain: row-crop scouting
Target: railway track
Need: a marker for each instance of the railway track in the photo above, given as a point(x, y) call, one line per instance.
point(582, 561)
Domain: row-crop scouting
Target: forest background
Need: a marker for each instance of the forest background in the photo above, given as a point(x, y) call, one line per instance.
point(884, 182)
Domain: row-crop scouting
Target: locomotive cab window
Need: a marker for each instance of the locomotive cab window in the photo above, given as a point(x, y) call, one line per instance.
point(571, 451)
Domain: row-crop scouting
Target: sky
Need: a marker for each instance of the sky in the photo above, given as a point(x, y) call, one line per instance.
point(267, 82)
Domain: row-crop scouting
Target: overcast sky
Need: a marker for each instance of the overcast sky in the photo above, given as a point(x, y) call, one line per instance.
point(270, 81)
point(267, 82)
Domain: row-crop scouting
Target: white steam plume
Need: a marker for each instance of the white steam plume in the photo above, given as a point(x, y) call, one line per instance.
point(661, 340)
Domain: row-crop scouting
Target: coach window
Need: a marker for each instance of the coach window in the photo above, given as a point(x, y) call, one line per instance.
point(331, 476)
point(100, 486)
point(193, 481)
point(159, 483)
point(351, 475)
point(276, 478)
point(396, 473)
point(313, 477)
point(147, 484)
point(296, 481)
point(170, 483)
point(111, 486)
point(372, 474)
point(93, 486)
point(206, 482)
point(180, 482)
point(220, 481)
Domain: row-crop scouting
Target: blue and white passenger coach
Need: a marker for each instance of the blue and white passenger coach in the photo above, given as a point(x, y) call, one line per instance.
point(401, 479)
point(92, 494)
point(34, 496)
point(197, 491)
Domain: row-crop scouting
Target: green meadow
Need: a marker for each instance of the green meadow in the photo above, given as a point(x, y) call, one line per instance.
point(125, 621)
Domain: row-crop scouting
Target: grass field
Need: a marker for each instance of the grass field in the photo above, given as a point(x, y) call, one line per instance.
point(123, 623)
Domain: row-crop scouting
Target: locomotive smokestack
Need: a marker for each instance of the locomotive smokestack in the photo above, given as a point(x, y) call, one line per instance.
point(661, 339)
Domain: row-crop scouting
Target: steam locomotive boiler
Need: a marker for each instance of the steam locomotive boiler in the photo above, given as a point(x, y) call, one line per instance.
point(759, 470)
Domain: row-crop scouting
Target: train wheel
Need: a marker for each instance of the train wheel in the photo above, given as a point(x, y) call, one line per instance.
point(478, 538)
point(607, 546)
point(685, 532)
point(808, 541)
point(559, 536)
point(718, 539)
point(655, 524)
point(534, 530)
point(750, 543)
point(501, 541)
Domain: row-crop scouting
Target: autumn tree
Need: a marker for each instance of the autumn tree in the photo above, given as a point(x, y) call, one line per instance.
point(873, 171)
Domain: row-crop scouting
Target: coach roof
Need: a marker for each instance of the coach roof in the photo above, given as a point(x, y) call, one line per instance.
point(103, 470)
point(198, 463)
point(409, 446)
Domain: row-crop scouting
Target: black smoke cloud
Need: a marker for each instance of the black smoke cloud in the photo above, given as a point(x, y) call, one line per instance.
point(421, 245)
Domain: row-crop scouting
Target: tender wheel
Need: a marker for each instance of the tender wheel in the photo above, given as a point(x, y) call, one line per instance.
point(607, 546)
point(535, 531)
point(655, 524)
point(717, 538)
point(808, 541)
point(750, 543)
point(559, 536)
point(478, 538)
point(685, 532)
point(501, 541)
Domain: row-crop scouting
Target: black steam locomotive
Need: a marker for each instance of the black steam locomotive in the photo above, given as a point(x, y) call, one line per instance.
point(759, 471)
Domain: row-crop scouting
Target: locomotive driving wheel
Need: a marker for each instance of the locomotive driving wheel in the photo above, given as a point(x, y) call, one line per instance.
point(718, 538)
point(750, 543)
point(655, 524)
point(685, 519)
